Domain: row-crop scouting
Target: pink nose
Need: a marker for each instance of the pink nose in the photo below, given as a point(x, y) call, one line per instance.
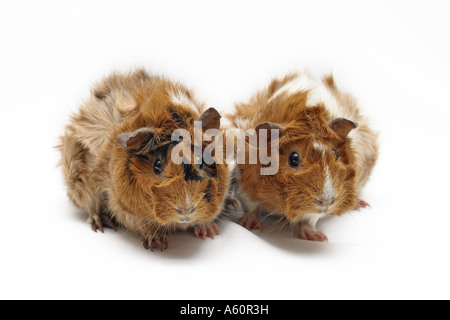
point(325, 202)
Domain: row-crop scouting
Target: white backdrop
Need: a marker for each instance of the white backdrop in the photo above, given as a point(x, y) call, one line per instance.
point(393, 55)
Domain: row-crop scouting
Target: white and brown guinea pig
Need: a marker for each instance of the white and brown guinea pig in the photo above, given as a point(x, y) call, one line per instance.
point(326, 153)
point(116, 160)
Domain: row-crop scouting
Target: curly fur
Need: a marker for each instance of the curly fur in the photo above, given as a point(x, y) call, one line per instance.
point(109, 180)
point(304, 108)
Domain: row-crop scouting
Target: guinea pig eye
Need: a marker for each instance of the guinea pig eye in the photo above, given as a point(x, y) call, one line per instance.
point(336, 154)
point(157, 167)
point(294, 160)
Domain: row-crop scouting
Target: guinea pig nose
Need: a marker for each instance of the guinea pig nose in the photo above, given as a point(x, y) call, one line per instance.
point(325, 202)
point(184, 212)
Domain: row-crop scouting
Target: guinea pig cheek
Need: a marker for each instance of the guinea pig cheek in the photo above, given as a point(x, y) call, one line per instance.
point(291, 215)
point(163, 203)
point(297, 207)
point(302, 191)
point(346, 195)
point(208, 206)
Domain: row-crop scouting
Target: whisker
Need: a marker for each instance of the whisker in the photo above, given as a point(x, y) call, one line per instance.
point(281, 222)
point(270, 214)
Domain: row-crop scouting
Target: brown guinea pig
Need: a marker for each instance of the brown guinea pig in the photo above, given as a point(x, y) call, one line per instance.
point(326, 153)
point(117, 164)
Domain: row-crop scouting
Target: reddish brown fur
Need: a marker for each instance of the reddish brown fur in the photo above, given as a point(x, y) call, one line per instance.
point(104, 178)
point(293, 191)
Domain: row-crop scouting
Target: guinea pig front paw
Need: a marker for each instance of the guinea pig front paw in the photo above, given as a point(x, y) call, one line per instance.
point(361, 204)
point(206, 230)
point(309, 233)
point(98, 221)
point(155, 243)
point(250, 222)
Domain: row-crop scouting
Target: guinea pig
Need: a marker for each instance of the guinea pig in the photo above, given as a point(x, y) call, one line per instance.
point(116, 157)
point(326, 152)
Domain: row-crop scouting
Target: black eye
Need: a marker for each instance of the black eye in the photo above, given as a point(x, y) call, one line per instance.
point(336, 154)
point(157, 167)
point(294, 160)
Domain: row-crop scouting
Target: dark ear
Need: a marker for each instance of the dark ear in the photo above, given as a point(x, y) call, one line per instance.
point(269, 126)
point(343, 126)
point(135, 140)
point(210, 119)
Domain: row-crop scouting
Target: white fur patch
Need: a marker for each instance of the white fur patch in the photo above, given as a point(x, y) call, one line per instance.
point(318, 93)
point(298, 84)
point(328, 191)
point(243, 124)
point(231, 165)
point(312, 219)
point(321, 94)
point(188, 202)
point(180, 98)
point(318, 146)
point(225, 123)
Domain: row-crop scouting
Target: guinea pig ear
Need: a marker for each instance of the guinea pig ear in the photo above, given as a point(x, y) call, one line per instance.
point(269, 126)
point(135, 140)
point(343, 126)
point(210, 119)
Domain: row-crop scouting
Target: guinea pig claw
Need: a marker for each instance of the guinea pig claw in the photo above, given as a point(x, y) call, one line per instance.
point(108, 222)
point(215, 228)
point(113, 226)
point(209, 230)
point(311, 234)
point(250, 222)
point(96, 223)
point(361, 204)
point(160, 243)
